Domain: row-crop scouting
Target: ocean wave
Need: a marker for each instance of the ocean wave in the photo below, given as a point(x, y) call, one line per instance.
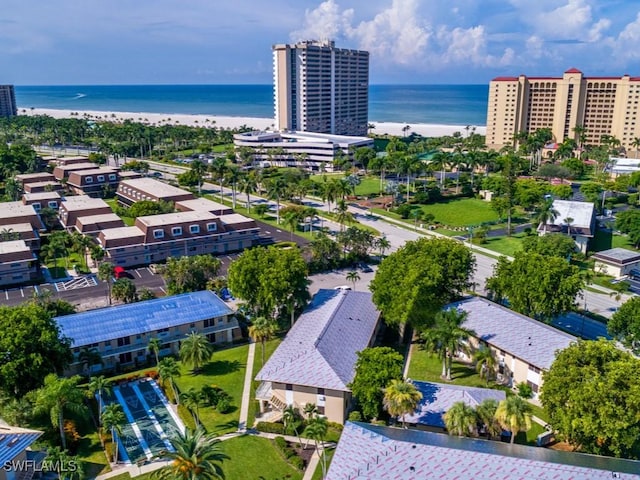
point(79, 95)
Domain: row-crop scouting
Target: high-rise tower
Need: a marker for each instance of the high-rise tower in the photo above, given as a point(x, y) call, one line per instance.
point(8, 106)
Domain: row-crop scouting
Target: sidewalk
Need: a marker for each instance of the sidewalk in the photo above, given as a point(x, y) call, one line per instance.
point(246, 392)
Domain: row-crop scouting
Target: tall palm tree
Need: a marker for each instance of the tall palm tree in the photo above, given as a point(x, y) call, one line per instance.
point(353, 277)
point(89, 357)
point(636, 144)
point(317, 431)
point(461, 420)
point(113, 419)
point(485, 362)
point(290, 419)
point(447, 336)
point(383, 244)
point(568, 221)
point(219, 168)
point(168, 370)
point(261, 330)
point(57, 396)
point(105, 273)
point(514, 415)
point(486, 413)
point(232, 177)
point(67, 467)
point(546, 214)
point(191, 400)
point(310, 410)
point(199, 169)
point(197, 456)
point(195, 350)
point(99, 385)
point(440, 161)
point(401, 397)
point(276, 191)
point(154, 346)
point(343, 215)
point(248, 185)
point(291, 220)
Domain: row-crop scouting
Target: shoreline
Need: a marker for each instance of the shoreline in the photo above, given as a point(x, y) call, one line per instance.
point(229, 122)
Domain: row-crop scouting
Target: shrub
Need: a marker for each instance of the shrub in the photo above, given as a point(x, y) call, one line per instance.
point(355, 416)
point(297, 462)
point(270, 427)
point(632, 199)
point(223, 405)
point(186, 417)
point(335, 426)
point(404, 211)
point(281, 443)
point(524, 390)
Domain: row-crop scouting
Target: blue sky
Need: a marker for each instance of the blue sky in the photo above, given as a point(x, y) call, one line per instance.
point(44, 42)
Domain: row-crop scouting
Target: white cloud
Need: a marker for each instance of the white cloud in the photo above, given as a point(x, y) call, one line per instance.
point(326, 22)
point(625, 45)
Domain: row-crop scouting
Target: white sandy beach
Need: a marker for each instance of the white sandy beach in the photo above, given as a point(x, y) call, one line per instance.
point(391, 128)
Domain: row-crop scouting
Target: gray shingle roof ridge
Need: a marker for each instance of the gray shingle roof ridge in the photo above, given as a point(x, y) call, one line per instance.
point(342, 297)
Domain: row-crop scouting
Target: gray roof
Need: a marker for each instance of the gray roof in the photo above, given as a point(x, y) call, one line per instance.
point(618, 256)
point(376, 452)
point(153, 187)
point(110, 323)
point(582, 213)
point(534, 342)
point(437, 398)
point(14, 440)
point(321, 348)
point(83, 202)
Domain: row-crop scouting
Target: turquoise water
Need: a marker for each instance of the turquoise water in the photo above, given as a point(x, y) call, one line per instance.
point(436, 104)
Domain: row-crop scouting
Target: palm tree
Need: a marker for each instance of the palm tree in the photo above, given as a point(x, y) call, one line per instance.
point(514, 415)
point(219, 168)
point(290, 420)
point(248, 185)
point(232, 177)
point(97, 254)
point(195, 350)
point(545, 214)
point(440, 161)
point(89, 357)
point(261, 330)
point(99, 385)
point(461, 420)
point(485, 362)
point(353, 277)
point(317, 431)
point(568, 221)
point(105, 273)
point(57, 396)
point(124, 290)
point(486, 413)
point(310, 410)
point(67, 467)
point(291, 220)
point(447, 336)
point(196, 456)
point(191, 400)
point(383, 244)
point(113, 418)
point(343, 215)
point(636, 144)
point(154, 346)
point(168, 370)
point(199, 169)
point(401, 397)
point(276, 191)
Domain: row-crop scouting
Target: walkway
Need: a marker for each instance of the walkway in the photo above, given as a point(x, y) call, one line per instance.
point(246, 392)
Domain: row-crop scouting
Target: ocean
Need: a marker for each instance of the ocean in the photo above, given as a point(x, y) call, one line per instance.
point(431, 104)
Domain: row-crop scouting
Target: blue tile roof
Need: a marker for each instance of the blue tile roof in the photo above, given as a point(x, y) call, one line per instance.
point(321, 348)
point(110, 323)
point(14, 440)
point(437, 398)
point(368, 451)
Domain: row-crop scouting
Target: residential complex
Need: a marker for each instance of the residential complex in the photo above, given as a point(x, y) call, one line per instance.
point(62, 172)
point(74, 207)
point(17, 460)
point(576, 219)
point(617, 262)
point(121, 334)
point(316, 361)
point(311, 151)
point(13, 213)
point(367, 451)
point(523, 347)
point(94, 182)
point(18, 263)
point(321, 88)
point(42, 200)
point(135, 190)
point(8, 106)
point(601, 105)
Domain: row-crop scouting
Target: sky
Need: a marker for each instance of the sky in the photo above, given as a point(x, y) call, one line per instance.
point(86, 42)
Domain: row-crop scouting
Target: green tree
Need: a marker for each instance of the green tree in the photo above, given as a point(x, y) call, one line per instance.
point(325, 252)
point(49, 218)
point(68, 467)
point(88, 357)
point(124, 290)
point(261, 330)
point(446, 337)
point(191, 400)
point(383, 245)
point(415, 282)
point(59, 396)
point(154, 346)
point(353, 277)
point(538, 286)
point(514, 415)
point(248, 185)
point(317, 431)
point(31, 346)
point(168, 371)
point(197, 455)
point(261, 209)
point(375, 368)
point(552, 244)
point(624, 324)
point(461, 420)
point(343, 215)
point(145, 208)
point(190, 274)
point(400, 398)
point(267, 278)
point(291, 421)
point(486, 413)
point(113, 418)
point(277, 190)
point(546, 214)
point(99, 386)
point(145, 294)
point(589, 395)
point(485, 362)
point(105, 273)
point(591, 191)
point(629, 222)
point(195, 350)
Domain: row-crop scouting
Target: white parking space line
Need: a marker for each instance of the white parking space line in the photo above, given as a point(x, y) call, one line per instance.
point(22, 292)
point(229, 257)
point(6, 294)
point(35, 287)
point(138, 273)
point(149, 270)
point(163, 290)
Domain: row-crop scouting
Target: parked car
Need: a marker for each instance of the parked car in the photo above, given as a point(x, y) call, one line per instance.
point(342, 287)
point(364, 267)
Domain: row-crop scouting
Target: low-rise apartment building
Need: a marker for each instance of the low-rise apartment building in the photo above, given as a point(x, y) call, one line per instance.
point(62, 161)
point(78, 206)
point(93, 182)
point(12, 213)
point(62, 172)
point(523, 347)
point(94, 224)
point(134, 190)
point(21, 231)
point(26, 178)
point(203, 205)
point(617, 262)
point(576, 219)
point(42, 200)
point(18, 264)
point(155, 238)
point(47, 186)
point(121, 334)
point(17, 461)
point(316, 361)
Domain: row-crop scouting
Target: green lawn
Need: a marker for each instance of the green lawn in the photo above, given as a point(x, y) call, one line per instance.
point(64, 264)
point(270, 347)
point(113, 203)
point(369, 185)
point(604, 240)
point(505, 245)
point(462, 212)
point(226, 371)
point(317, 475)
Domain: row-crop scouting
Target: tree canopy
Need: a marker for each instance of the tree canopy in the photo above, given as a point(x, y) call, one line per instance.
point(31, 347)
point(629, 222)
point(592, 395)
point(375, 369)
point(415, 282)
point(625, 324)
point(190, 274)
point(552, 244)
point(535, 285)
point(267, 278)
point(149, 207)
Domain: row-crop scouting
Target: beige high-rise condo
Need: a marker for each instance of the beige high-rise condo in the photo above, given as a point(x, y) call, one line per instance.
point(8, 107)
point(320, 88)
point(572, 106)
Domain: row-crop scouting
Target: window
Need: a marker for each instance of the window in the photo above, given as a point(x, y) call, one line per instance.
point(320, 409)
point(321, 391)
point(289, 387)
point(212, 227)
point(124, 341)
point(176, 231)
point(53, 204)
point(36, 206)
point(112, 177)
point(209, 322)
point(100, 178)
point(194, 228)
point(158, 234)
point(125, 357)
point(88, 180)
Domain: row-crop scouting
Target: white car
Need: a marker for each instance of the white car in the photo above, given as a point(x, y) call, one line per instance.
point(342, 287)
